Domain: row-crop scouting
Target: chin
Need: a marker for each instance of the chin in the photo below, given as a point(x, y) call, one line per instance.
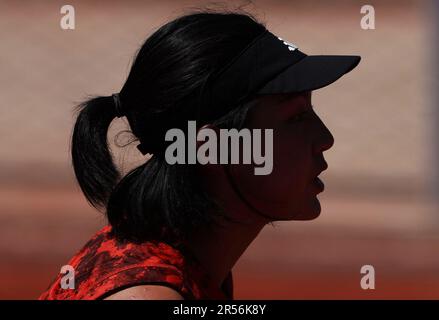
point(310, 213)
point(306, 212)
point(307, 217)
point(302, 216)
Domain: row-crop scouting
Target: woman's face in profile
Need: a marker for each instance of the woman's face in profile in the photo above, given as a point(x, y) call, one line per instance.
point(299, 140)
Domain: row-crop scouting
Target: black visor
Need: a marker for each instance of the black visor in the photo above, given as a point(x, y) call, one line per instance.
point(268, 65)
point(311, 73)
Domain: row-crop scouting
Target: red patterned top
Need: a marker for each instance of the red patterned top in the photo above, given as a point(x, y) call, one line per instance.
point(104, 266)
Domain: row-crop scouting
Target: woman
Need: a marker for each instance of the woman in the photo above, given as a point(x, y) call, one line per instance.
point(176, 230)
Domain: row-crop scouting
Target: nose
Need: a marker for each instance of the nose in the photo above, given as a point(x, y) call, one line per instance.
point(324, 138)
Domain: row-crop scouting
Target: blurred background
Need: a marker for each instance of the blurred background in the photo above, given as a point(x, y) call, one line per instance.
point(379, 205)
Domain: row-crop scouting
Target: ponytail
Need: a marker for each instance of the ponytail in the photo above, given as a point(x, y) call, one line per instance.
point(153, 201)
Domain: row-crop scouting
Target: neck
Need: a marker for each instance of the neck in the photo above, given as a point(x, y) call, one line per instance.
point(218, 248)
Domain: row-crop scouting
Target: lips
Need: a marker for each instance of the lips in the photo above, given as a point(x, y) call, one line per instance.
point(318, 184)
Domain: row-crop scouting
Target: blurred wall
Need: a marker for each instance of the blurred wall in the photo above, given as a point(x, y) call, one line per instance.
point(378, 207)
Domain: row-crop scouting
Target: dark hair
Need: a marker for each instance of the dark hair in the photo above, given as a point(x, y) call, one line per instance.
point(157, 200)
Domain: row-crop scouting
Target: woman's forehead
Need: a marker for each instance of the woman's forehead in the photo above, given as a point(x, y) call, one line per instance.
point(277, 100)
point(298, 96)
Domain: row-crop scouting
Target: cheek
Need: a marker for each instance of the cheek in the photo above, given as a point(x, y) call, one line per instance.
point(289, 180)
point(291, 166)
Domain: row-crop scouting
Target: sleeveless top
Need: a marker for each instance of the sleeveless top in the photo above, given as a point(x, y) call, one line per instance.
point(104, 266)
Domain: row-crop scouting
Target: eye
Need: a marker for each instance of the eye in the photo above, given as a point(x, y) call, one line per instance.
point(300, 116)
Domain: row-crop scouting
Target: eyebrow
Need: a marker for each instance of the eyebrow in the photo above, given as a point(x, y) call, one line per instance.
point(290, 95)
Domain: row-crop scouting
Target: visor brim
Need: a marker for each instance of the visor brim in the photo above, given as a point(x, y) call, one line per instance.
point(311, 73)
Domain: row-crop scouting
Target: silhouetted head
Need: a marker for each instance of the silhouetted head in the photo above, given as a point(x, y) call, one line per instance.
point(165, 85)
point(172, 81)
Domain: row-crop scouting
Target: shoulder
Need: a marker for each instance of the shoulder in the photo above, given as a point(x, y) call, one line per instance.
point(108, 268)
point(146, 292)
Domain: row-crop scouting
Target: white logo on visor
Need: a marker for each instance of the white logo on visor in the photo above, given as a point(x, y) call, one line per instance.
point(291, 46)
